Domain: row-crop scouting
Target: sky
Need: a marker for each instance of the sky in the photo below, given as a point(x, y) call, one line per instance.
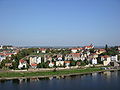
point(59, 22)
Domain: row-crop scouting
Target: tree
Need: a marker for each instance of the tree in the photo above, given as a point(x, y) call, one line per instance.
point(73, 63)
point(86, 62)
point(99, 60)
point(4, 62)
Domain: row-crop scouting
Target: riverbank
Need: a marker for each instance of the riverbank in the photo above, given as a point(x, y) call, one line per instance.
point(44, 74)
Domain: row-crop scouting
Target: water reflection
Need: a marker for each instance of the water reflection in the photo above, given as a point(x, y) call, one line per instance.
point(106, 75)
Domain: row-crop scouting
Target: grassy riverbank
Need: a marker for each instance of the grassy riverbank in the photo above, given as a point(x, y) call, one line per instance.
point(48, 73)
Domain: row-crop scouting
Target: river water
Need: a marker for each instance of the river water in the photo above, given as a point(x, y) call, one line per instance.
point(109, 80)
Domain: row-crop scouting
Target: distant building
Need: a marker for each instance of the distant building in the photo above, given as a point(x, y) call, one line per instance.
point(74, 50)
point(89, 47)
point(43, 50)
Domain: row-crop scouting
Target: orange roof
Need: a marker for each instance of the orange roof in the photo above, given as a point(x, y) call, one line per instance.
point(66, 61)
point(33, 64)
point(74, 49)
point(75, 54)
point(105, 56)
point(79, 48)
point(42, 49)
point(88, 46)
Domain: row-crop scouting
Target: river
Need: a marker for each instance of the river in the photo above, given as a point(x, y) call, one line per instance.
point(109, 80)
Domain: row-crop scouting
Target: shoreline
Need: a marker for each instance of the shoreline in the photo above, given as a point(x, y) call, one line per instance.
point(55, 75)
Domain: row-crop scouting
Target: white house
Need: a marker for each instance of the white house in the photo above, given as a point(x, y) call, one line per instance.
point(43, 50)
point(67, 63)
point(38, 60)
point(94, 61)
point(114, 58)
point(35, 60)
point(59, 63)
point(51, 64)
point(2, 58)
point(22, 64)
point(106, 60)
point(74, 50)
point(59, 59)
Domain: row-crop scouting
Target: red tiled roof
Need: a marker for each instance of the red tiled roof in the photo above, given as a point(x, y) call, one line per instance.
point(75, 54)
point(66, 61)
point(8, 54)
point(2, 54)
point(88, 46)
point(42, 49)
point(105, 56)
point(33, 64)
point(22, 61)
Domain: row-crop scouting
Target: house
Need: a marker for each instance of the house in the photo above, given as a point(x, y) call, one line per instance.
point(79, 49)
point(9, 54)
point(106, 60)
point(82, 57)
point(88, 53)
point(67, 63)
point(75, 56)
point(51, 64)
point(74, 50)
point(22, 64)
point(119, 48)
point(89, 47)
point(114, 58)
point(94, 55)
point(2, 57)
point(59, 57)
point(114, 64)
point(43, 50)
point(34, 65)
point(34, 60)
point(59, 63)
point(94, 61)
point(8, 64)
point(100, 51)
point(47, 58)
point(68, 57)
point(119, 51)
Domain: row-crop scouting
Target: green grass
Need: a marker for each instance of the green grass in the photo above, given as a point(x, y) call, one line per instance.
point(47, 73)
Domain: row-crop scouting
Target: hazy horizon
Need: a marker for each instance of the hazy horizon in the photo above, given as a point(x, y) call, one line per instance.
point(59, 22)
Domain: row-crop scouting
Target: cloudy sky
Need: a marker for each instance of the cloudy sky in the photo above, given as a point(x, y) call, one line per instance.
point(59, 22)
